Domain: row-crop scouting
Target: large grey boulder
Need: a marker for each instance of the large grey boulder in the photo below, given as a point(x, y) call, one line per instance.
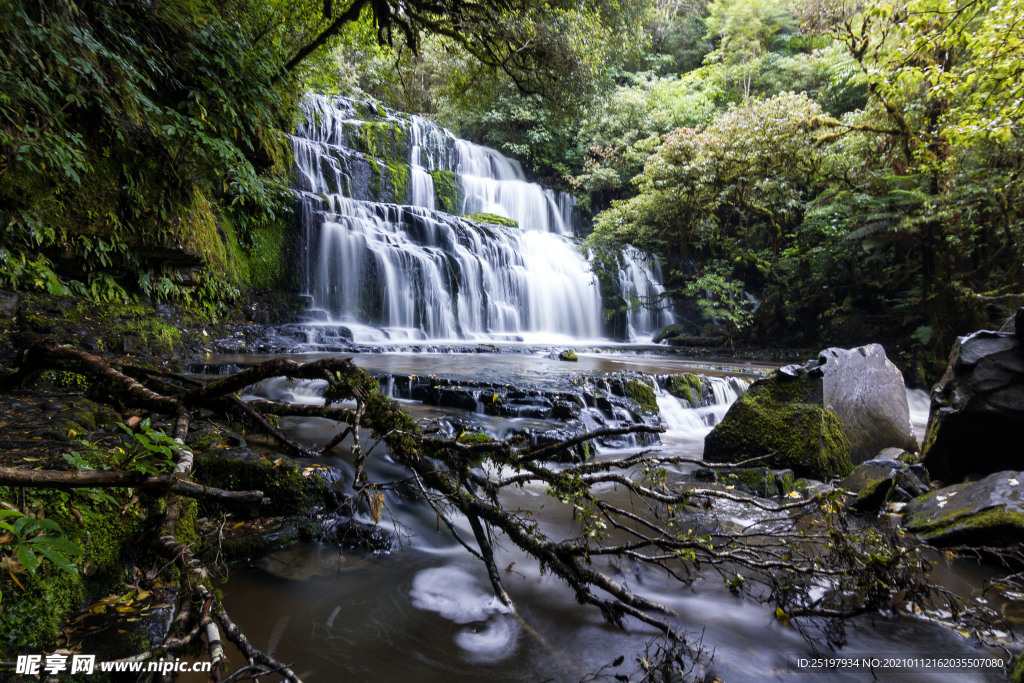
point(977, 410)
point(981, 513)
point(867, 393)
point(819, 419)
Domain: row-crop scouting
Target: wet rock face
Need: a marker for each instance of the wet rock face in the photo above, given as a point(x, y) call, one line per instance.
point(988, 512)
point(868, 395)
point(875, 482)
point(977, 410)
point(819, 419)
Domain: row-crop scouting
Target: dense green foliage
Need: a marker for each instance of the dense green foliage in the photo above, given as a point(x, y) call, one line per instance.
point(808, 173)
point(142, 146)
point(893, 219)
point(131, 137)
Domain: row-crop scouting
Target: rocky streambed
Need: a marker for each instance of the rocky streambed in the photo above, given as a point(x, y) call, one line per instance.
point(311, 573)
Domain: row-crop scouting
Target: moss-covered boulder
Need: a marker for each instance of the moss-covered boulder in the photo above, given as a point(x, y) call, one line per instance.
point(821, 418)
point(75, 417)
point(687, 387)
point(759, 481)
point(871, 485)
point(987, 512)
point(977, 411)
point(782, 416)
point(289, 490)
point(568, 355)
point(642, 394)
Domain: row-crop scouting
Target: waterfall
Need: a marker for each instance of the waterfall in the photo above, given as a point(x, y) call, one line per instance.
point(640, 279)
point(387, 255)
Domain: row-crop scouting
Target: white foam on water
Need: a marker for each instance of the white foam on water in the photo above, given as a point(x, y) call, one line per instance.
point(453, 593)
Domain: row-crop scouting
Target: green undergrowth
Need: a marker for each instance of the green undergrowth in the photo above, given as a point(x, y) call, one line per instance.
point(108, 326)
point(281, 480)
point(148, 162)
point(106, 525)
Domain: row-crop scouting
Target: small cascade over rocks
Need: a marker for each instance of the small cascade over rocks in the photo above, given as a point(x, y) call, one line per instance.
point(401, 240)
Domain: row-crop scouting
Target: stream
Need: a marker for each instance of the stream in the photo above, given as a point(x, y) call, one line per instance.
point(425, 612)
point(413, 240)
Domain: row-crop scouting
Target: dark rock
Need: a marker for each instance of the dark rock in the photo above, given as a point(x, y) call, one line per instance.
point(759, 481)
point(8, 302)
point(704, 474)
point(128, 343)
point(981, 513)
point(568, 355)
point(566, 410)
point(888, 463)
point(361, 536)
point(977, 410)
point(890, 454)
point(821, 418)
point(873, 485)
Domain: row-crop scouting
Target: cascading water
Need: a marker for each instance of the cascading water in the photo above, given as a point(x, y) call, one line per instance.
point(387, 259)
point(640, 277)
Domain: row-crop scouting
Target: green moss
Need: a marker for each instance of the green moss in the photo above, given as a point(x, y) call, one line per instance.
point(874, 494)
point(375, 175)
point(473, 438)
point(382, 141)
point(64, 381)
point(198, 234)
point(965, 525)
point(760, 481)
point(448, 190)
point(493, 218)
point(973, 529)
point(263, 261)
point(1017, 675)
point(772, 418)
point(399, 174)
point(641, 393)
point(281, 481)
point(78, 417)
point(688, 387)
point(31, 619)
point(568, 355)
point(186, 530)
point(112, 321)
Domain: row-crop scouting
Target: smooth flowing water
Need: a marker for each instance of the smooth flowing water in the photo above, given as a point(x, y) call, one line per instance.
point(387, 255)
point(425, 612)
point(390, 256)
